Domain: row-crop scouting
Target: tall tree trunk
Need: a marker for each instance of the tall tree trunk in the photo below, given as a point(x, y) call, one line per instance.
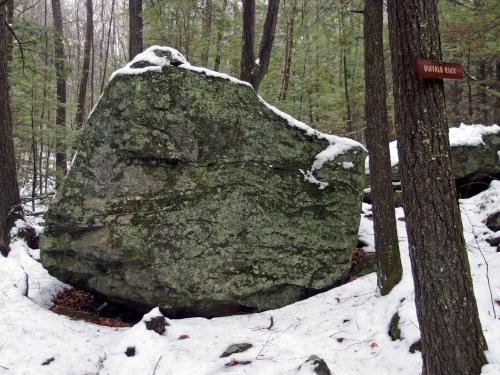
point(247, 61)
point(452, 339)
point(350, 128)
point(135, 45)
point(61, 167)
point(252, 71)
point(483, 107)
point(389, 269)
point(9, 190)
point(496, 110)
point(34, 177)
point(470, 111)
point(236, 62)
point(87, 51)
point(105, 64)
point(220, 33)
point(287, 57)
point(207, 30)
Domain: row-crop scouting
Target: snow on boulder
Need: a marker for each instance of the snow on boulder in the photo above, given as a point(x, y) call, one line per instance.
point(475, 151)
point(190, 193)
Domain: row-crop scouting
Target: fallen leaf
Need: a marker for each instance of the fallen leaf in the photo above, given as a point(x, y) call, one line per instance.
point(234, 362)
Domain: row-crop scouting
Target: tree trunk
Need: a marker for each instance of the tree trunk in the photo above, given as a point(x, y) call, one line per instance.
point(247, 62)
point(452, 340)
point(236, 62)
point(219, 37)
point(207, 30)
point(105, 64)
point(496, 110)
point(34, 177)
point(252, 71)
point(87, 50)
point(287, 57)
point(61, 167)
point(9, 190)
point(470, 112)
point(135, 45)
point(389, 269)
point(483, 107)
point(350, 128)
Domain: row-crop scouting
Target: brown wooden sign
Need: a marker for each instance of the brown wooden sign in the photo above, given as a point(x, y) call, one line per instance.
point(431, 69)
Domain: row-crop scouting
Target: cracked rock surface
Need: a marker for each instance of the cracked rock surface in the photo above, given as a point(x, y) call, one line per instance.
point(187, 194)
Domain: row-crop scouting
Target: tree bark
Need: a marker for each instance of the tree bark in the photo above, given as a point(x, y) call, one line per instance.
point(483, 107)
point(470, 111)
point(105, 64)
point(287, 57)
point(87, 50)
point(9, 190)
point(135, 45)
point(496, 110)
point(59, 62)
point(220, 33)
point(247, 62)
point(207, 30)
point(389, 269)
point(452, 339)
point(251, 71)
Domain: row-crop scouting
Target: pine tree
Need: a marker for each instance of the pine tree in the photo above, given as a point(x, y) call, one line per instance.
point(452, 339)
point(135, 41)
point(389, 270)
point(9, 190)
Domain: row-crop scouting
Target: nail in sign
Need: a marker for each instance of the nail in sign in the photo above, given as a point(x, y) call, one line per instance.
point(431, 69)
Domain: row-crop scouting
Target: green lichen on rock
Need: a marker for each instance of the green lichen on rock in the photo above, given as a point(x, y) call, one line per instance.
point(236, 348)
point(394, 330)
point(187, 194)
point(471, 161)
point(316, 365)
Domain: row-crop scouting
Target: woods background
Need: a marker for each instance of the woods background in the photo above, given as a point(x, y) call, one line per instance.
point(315, 71)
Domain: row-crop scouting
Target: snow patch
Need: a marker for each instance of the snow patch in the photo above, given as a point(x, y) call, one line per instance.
point(158, 62)
point(471, 135)
point(346, 326)
point(337, 145)
point(347, 165)
point(464, 135)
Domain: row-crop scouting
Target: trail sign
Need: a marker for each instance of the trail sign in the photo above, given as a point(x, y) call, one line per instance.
point(431, 69)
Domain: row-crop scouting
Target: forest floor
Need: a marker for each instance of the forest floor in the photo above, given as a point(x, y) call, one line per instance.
point(346, 326)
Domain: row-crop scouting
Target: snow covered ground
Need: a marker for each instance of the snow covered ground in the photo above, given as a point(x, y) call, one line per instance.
point(346, 326)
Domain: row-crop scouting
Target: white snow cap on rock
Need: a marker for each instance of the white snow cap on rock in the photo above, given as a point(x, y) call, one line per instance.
point(338, 145)
point(464, 135)
point(157, 62)
point(471, 135)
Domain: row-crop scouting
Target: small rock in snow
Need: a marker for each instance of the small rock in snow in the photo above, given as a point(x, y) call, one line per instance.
point(314, 365)
point(236, 348)
point(48, 361)
point(157, 324)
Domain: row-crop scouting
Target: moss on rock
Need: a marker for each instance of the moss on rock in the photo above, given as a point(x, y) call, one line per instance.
point(187, 194)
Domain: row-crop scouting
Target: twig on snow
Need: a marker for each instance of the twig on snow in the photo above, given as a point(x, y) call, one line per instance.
point(157, 363)
point(271, 324)
point(263, 346)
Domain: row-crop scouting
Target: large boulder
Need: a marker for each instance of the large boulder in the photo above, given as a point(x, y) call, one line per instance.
point(190, 193)
point(475, 152)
